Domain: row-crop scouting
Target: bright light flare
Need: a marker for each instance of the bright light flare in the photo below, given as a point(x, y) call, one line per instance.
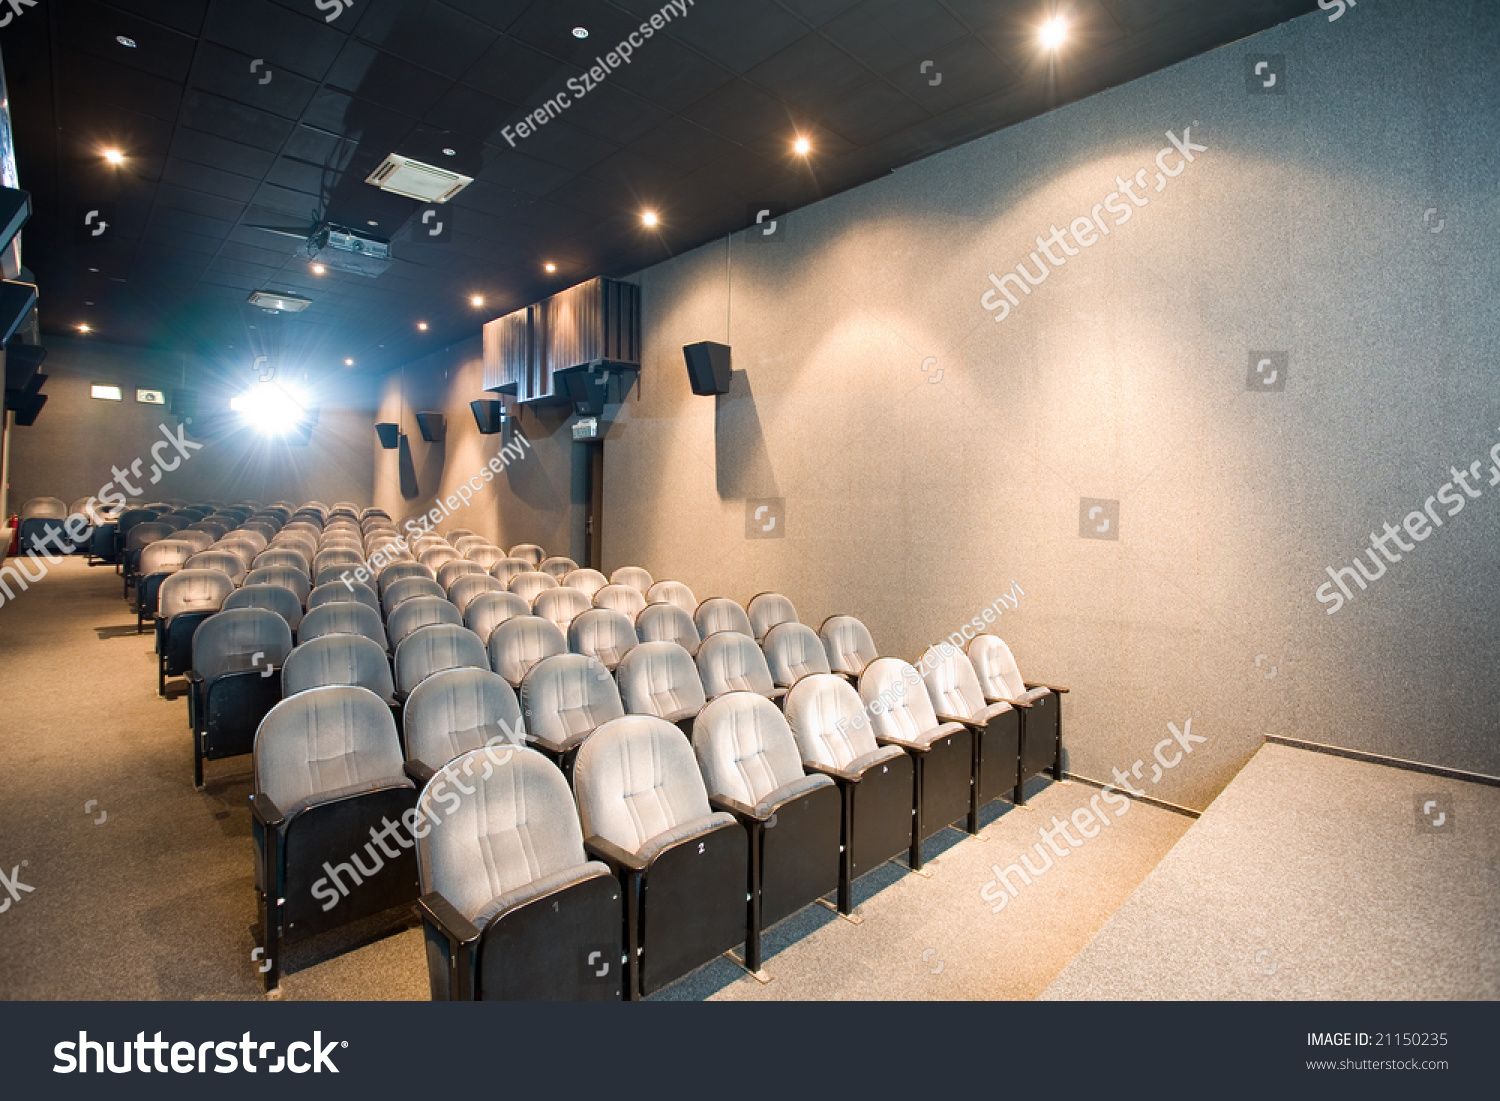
point(1053, 32)
point(271, 408)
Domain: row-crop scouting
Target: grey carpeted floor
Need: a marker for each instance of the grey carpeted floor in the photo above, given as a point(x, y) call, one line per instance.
point(1313, 877)
point(141, 887)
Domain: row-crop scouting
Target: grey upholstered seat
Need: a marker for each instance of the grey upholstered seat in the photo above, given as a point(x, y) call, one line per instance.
point(522, 641)
point(250, 537)
point(565, 698)
point(746, 752)
point(408, 588)
point(847, 645)
point(793, 651)
point(637, 578)
point(230, 565)
point(243, 549)
point(343, 617)
point(673, 592)
point(334, 592)
point(586, 581)
point(507, 568)
point(272, 598)
point(625, 599)
point(528, 552)
point(557, 567)
point(485, 555)
point(561, 605)
point(281, 557)
point(731, 662)
point(1039, 707)
point(488, 610)
point(603, 634)
point(338, 660)
point(659, 678)
point(288, 578)
point(418, 612)
point(432, 649)
point(198, 540)
point(240, 639)
point(829, 724)
point(719, 613)
point(236, 653)
point(397, 570)
point(665, 622)
point(427, 542)
point(435, 557)
point(996, 671)
point(529, 584)
point(193, 589)
point(463, 590)
point(953, 686)
point(157, 562)
point(458, 710)
point(766, 610)
point(449, 572)
point(454, 535)
point(344, 559)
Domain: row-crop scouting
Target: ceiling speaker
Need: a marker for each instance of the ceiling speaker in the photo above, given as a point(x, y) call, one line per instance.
point(488, 415)
point(432, 427)
point(708, 367)
point(390, 435)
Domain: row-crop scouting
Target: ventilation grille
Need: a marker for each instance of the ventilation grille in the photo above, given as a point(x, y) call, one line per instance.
point(415, 180)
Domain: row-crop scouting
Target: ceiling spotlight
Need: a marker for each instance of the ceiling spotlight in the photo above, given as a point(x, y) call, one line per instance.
point(550, 266)
point(371, 222)
point(449, 152)
point(422, 325)
point(1053, 32)
point(114, 156)
point(128, 43)
point(84, 329)
point(476, 300)
point(318, 269)
point(649, 218)
point(580, 32)
point(802, 146)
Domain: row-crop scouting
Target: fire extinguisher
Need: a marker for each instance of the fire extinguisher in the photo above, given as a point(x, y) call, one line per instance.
point(14, 523)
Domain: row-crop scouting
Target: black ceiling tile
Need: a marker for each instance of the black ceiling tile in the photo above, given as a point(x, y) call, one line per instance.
point(884, 33)
point(549, 28)
point(826, 145)
point(296, 205)
point(168, 218)
point(196, 202)
point(817, 12)
point(160, 236)
point(671, 75)
point(470, 112)
point(567, 146)
point(682, 144)
point(1135, 15)
point(809, 72)
point(270, 258)
point(93, 28)
point(871, 112)
point(384, 79)
point(961, 72)
point(210, 181)
point(236, 77)
point(89, 82)
point(424, 33)
point(242, 283)
point(516, 73)
point(285, 39)
point(236, 121)
point(499, 14)
point(603, 199)
point(220, 153)
point(295, 175)
point(1012, 32)
point(180, 15)
point(614, 113)
point(743, 34)
point(740, 112)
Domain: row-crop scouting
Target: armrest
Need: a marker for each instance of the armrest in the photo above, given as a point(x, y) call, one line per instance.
point(547, 745)
point(1013, 703)
point(831, 772)
point(418, 772)
point(745, 814)
point(617, 858)
point(266, 812)
point(443, 916)
point(1052, 687)
point(902, 743)
point(970, 723)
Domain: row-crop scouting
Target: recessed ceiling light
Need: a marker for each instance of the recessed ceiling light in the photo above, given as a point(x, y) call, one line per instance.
point(88, 303)
point(802, 146)
point(550, 266)
point(580, 32)
point(1053, 32)
point(95, 270)
point(114, 156)
point(649, 217)
point(84, 329)
point(476, 300)
point(422, 325)
point(371, 222)
point(449, 152)
point(318, 269)
point(129, 43)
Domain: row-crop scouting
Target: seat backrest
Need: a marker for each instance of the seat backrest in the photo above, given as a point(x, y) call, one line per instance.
point(566, 696)
point(342, 617)
point(463, 591)
point(149, 532)
point(673, 592)
point(238, 639)
point(508, 568)
point(397, 570)
point(230, 565)
point(793, 651)
point(994, 665)
point(487, 611)
point(271, 598)
point(745, 749)
point(719, 613)
point(847, 644)
point(348, 558)
point(659, 678)
point(408, 588)
point(557, 567)
point(603, 634)
point(465, 543)
point(624, 599)
point(952, 684)
point(529, 553)
point(527, 585)
point(666, 622)
point(193, 590)
point(198, 540)
point(457, 710)
point(485, 556)
point(334, 592)
point(45, 508)
point(519, 643)
point(294, 580)
point(432, 649)
point(252, 539)
point(418, 612)
point(896, 700)
point(326, 741)
point(634, 576)
point(453, 535)
point(828, 721)
point(519, 827)
point(636, 778)
point(449, 572)
point(766, 610)
point(434, 557)
point(731, 662)
point(133, 516)
point(281, 558)
point(561, 605)
point(586, 581)
point(242, 549)
point(165, 556)
point(338, 659)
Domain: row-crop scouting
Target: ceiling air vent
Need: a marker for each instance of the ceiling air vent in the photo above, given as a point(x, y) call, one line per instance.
point(404, 176)
point(276, 302)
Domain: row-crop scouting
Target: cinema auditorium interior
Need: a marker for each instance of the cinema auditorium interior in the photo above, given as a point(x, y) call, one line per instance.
point(723, 500)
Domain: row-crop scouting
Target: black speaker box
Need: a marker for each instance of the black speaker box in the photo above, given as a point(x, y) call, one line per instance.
point(27, 408)
point(16, 301)
point(432, 427)
point(21, 362)
point(488, 415)
point(709, 368)
point(390, 435)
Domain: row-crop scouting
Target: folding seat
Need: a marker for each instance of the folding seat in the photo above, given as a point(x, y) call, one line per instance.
point(528, 552)
point(335, 575)
point(272, 598)
point(91, 517)
point(397, 570)
point(561, 605)
point(847, 645)
point(793, 651)
point(954, 694)
point(602, 634)
point(158, 561)
point(956, 768)
point(345, 559)
point(409, 587)
point(586, 581)
point(485, 556)
point(140, 537)
point(433, 557)
point(104, 543)
point(283, 557)
point(427, 542)
point(129, 519)
point(453, 535)
point(667, 623)
point(508, 568)
point(558, 567)
point(344, 508)
point(328, 777)
point(254, 539)
point(624, 599)
point(37, 516)
point(463, 590)
point(564, 699)
point(487, 611)
point(719, 613)
point(464, 543)
point(766, 610)
point(338, 660)
point(173, 521)
point(752, 770)
point(264, 528)
point(285, 576)
point(520, 642)
point(529, 584)
point(230, 565)
point(342, 617)
point(236, 654)
point(659, 678)
point(682, 865)
point(512, 906)
point(637, 578)
point(418, 612)
point(449, 572)
point(731, 662)
point(430, 650)
point(455, 711)
point(835, 739)
point(245, 552)
point(217, 528)
point(1039, 705)
point(673, 592)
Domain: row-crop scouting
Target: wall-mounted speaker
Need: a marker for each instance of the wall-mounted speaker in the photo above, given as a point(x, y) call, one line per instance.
point(488, 415)
point(26, 409)
point(708, 367)
point(15, 208)
point(432, 427)
point(17, 300)
point(390, 435)
point(21, 362)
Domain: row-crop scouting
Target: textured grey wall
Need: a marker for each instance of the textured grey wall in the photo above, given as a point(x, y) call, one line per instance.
point(930, 456)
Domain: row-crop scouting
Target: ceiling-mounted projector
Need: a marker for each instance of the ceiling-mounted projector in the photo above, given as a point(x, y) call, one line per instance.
point(344, 249)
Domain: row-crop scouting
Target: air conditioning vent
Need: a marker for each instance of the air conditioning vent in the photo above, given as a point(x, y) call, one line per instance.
point(276, 302)
point(415, 180)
